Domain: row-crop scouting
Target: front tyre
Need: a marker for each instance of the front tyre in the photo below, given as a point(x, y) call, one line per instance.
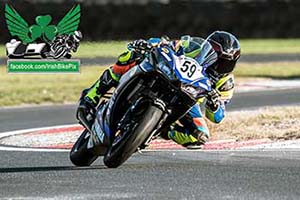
point(127, 141)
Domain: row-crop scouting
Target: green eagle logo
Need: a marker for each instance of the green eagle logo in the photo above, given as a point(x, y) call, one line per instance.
point(17, 26)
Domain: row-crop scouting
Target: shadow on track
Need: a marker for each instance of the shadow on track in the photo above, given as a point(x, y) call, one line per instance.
point(46, 169)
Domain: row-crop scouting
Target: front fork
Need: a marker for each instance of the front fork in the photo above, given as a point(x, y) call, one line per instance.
point(155, 133)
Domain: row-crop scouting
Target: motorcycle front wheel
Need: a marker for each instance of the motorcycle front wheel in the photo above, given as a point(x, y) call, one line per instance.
point(129, 139)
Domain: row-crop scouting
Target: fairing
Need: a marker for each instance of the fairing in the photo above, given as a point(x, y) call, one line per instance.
point(164, 69)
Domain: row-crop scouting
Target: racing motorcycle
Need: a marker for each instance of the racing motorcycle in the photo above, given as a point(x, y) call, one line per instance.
point(149, 98)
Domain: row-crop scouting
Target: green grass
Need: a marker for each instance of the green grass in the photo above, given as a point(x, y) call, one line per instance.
point(253, 46)
point(105, 49)
point(2, 51)
point(281, 70)
point(264, 46)
point(249, 46)
point(16, 89)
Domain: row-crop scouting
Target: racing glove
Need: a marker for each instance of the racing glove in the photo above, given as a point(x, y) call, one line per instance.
point(213, 100)
point(140, 46)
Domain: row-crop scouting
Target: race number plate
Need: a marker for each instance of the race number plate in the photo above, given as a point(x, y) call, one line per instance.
point(190, 69)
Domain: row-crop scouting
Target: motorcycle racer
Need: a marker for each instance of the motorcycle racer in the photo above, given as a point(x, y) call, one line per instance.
point(193, 131)
point(220, 74)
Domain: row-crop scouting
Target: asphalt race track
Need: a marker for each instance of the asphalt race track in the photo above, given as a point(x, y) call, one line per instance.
point(153, 174)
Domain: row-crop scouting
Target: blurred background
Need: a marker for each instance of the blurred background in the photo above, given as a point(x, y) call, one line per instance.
point(129, 19)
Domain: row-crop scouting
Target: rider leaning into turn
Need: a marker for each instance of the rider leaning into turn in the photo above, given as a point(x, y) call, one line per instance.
point(192, 132)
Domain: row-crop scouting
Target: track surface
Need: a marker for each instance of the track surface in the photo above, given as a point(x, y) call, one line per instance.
point(152, 175)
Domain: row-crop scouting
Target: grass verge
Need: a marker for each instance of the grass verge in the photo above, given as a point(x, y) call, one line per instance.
point(104, 49)
point(270, 46)
point(276, 70)
point(249, 46)
point(271, 122)
point(18, 89)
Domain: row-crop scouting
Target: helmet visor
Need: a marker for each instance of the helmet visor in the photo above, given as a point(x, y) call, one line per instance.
point(229, 54)
point(225, 66)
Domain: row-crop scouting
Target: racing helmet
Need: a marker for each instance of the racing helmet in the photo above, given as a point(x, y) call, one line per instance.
point(228, 49)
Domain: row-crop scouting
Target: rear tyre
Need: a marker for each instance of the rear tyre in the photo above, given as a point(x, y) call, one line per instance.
point(127, 141)
point(80, 155)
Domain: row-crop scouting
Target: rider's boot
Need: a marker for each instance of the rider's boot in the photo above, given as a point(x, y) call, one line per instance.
point(90, 97)
point(190, 139)
point(193, 133)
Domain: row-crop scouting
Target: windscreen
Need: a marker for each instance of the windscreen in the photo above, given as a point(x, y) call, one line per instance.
point(201, 50)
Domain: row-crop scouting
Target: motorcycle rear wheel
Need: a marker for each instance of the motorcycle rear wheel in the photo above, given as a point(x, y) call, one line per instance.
point(80, 154)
